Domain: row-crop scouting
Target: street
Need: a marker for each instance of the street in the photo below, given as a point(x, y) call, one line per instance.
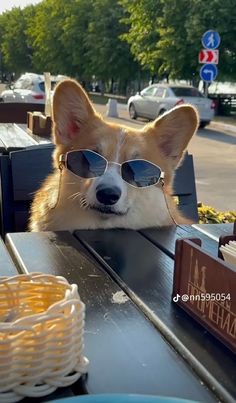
point(214, 153)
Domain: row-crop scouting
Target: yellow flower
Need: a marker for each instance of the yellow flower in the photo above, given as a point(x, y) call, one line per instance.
point(209, 215)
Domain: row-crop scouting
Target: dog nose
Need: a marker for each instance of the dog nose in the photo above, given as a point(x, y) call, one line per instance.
point(108, 195)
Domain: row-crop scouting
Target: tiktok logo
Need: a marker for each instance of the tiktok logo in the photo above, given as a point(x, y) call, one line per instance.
point(176, 298)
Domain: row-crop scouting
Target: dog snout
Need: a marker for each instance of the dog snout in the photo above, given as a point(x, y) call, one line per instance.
point(108, 195)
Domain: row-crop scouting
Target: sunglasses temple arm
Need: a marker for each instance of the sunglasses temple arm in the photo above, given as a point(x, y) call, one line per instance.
point(62, 161)
point(166, 201)
point(161, 180)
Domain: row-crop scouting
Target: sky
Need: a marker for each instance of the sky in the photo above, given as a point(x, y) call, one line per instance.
point(8, 4)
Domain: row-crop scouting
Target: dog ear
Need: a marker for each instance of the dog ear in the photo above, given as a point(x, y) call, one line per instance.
point(174, 130)
point(71, 110)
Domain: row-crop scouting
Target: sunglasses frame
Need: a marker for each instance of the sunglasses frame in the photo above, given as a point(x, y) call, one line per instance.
point(63, 163)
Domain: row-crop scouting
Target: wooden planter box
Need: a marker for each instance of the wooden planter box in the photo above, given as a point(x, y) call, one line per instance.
point(39, 124)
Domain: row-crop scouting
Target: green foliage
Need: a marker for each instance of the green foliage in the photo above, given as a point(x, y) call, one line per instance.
point(48, 32)
point(79, 38)
point(41, 33)
point(108, 55)
point(111, 39)
point(166, 34)
point(209, 215)
point(15, 45)
point(221, 16)
point(177, 53)
point(143, 36)
point(76, 18)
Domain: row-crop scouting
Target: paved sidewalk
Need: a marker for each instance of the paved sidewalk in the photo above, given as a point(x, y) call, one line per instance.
point(225, 123)
point(221, 125)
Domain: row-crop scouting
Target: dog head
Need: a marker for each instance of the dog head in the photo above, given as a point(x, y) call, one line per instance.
point(108, 201)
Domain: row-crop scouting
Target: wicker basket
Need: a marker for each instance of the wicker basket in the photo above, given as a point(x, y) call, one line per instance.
point(41, 335)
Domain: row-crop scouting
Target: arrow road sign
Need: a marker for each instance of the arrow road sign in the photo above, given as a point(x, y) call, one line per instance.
point(208, 72)
point(208, 56)
point(210, 39)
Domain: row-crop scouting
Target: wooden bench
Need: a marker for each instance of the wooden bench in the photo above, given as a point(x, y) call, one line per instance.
point(185, 188)
point(21, 174)
point(7, 267)
point(14, 137)
point(16, 112)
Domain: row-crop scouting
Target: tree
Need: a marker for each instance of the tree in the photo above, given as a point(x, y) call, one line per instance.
point(142, 20)
point(81, 38)
point(77, 15)
point(174, 48)
point(45, 32)
point(78, 38)
point(220, 16)
point(165, 35)
point(15, 47)
point(108, 56)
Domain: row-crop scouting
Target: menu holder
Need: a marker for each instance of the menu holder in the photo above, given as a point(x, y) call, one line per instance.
point(225, 240)
point(41, 123)
point(205, 287)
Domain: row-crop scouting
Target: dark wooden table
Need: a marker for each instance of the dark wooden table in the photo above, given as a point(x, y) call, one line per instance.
point(14, 137)
point(136, 338)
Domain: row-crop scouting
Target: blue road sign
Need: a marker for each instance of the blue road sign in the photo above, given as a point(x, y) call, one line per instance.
point(210, 39)
point(208, 72)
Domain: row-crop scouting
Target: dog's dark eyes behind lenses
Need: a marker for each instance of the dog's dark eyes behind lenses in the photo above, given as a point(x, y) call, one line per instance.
point(86, 164)
point(140, 173)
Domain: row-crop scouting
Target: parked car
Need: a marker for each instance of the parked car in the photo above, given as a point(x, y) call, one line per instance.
point(28, 88)
point(159, 98)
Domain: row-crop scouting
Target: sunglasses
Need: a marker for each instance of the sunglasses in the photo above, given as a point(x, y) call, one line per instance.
point(88, 164)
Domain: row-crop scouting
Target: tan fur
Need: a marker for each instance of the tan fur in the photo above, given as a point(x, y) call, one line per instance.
point(77, 125)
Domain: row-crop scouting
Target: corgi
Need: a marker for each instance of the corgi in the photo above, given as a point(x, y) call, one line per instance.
point(69, 200)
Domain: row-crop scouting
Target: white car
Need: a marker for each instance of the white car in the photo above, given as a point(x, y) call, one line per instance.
point(28, 88)
point(159, 98)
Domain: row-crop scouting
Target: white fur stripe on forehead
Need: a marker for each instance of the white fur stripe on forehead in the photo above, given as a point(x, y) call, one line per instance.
point(120, 142)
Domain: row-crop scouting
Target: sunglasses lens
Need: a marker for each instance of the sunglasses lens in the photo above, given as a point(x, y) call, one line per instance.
point(140, 173)
point(86, 164)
